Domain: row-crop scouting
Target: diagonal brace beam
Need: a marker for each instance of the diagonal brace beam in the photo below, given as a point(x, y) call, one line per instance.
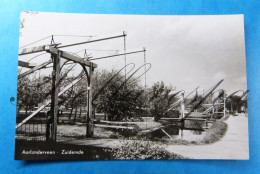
point(26, 64)
point(71, 57)
point(35, 69)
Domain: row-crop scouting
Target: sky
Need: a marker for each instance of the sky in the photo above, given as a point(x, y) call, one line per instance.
point(184, 51)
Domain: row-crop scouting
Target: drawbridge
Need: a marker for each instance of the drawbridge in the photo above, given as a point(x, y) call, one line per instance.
point(41, 124)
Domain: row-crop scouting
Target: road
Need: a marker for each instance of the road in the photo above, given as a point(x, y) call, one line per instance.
point(234, 145)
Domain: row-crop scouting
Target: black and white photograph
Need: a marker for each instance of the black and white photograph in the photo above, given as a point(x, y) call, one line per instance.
point(131, 87)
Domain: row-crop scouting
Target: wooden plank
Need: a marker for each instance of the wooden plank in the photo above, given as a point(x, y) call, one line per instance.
point(179, 119)
point(113, 127)
point(163, 118)
point(212, 104)
point(196, 119)
point(117, 122)
point(26, 64)
point(152, 129)
point(193, 129)
point(35, 69)
point(35, 49)
point(71, 57)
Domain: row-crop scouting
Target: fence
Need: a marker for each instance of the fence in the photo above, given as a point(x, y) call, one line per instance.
point(34, 129)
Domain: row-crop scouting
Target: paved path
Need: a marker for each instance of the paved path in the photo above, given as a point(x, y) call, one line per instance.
point(234, 145)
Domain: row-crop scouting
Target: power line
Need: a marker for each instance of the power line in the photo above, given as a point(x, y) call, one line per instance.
point(73, 35)
point(35, 42)
point(121, 54)
point(100, 50)
point(74, 44)
point(54, 35)
point(95, 50)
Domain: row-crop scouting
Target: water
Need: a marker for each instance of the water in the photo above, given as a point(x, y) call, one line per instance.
point(190, 131)
point(184, 133)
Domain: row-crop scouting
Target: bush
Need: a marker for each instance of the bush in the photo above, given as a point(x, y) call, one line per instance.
point(215, 133)
point(141, 150)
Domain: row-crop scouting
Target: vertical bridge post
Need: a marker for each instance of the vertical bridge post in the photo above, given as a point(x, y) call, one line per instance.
point(51, 132)
point(224, 104)
point(182, 113)
point(182, 106)
point(89, 119)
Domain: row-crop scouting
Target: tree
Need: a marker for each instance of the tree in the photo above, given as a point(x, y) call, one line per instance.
point(31, 92)
point(119, 99)
point(160, 100)
point(76, 97)
point(235, 104)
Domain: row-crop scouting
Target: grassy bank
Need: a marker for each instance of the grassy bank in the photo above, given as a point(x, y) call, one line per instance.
point(215, 133)
point(211, 135)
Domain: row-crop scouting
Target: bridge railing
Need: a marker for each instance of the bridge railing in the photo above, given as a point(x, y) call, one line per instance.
point(34, 129)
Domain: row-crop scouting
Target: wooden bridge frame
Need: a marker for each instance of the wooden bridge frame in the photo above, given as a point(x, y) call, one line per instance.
point(57, 55)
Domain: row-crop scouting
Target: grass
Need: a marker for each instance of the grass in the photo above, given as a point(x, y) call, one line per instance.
point(215, 133)
point(127, 149)
point(211, 135)
point(79, 131)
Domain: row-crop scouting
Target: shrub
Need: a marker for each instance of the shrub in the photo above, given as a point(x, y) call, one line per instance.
point(215, 133)
point(141, 150)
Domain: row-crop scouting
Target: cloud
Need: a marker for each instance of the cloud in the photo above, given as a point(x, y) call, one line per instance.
point(219, 76)
point(185, 51)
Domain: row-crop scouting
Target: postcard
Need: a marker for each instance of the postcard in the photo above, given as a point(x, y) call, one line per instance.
point(131, 87)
